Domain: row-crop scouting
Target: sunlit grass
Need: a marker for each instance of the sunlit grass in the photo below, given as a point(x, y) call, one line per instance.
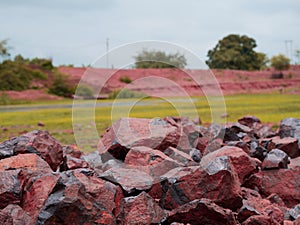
point(58, 121)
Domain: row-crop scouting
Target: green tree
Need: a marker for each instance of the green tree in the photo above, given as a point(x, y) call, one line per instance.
point(158, 59)
point(4, 49)
point(280, 62)
point(236, 52)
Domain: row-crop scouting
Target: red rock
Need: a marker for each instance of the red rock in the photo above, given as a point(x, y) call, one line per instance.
point(141, 209)
point(36, 192)
point(290, 127)
point(37, 142)
point(245, 212)
point(284, 182)
point(79, 198)
point(242, 163)
point(129, 179)
point(288, 144)
point(202, 211)
point(276, 159)
point(127, 133)
point(32, 163)
point(183, 186)
point(275, 213)
point(71, 163)
point(260, 220)
point(14, 214)
point(180, 156)
point(153, 162)
point(249, 121)
point(10, 187)
point(72, 150)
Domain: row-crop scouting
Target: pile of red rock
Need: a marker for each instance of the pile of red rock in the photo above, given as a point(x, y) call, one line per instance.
point(156, 171)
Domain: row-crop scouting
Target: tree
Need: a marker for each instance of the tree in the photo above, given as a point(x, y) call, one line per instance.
point(159, 59)
point(280, 62)
point(4, 49)
point(236, 52)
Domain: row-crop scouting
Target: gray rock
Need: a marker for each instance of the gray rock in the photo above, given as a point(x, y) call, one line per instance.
point(276, 159)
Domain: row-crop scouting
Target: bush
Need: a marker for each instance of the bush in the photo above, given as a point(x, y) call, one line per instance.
point(125, 79)
point(125, 93)
point(84, 90)
point(61, 86)
point(4, 99)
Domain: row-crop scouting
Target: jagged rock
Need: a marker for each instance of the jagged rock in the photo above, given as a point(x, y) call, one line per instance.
point(153, 162)
point(288, 144)
point(14, 215)
point(290, 127)
point(260, 220)
point(184, 185)
point(130, 180)
point(37, 142)
point(249, 121)
point(245, 212)
point(257, 151)
point(253, 199)
point(295, 212)
point(284, 182)
point(240, 144)
point(196, 154)
point(180, 156)
point(10, 187)
point(201, 211)
point(31, 163)
point(36, 192)
point(127, 133)
point(141, 209)
point(276, 159)
point(242, 163)
point(79, 197)
point(93, 159)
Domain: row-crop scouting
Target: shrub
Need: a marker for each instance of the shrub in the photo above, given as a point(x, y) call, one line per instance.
point(4, 99)
point(125, 79)
point(277, 76)
point(61, 86)
point(280, 62)
point(84, 90)
point(125, 93)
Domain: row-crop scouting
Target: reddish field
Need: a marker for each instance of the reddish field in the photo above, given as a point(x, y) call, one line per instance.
point(165, 82)
point(175, 82)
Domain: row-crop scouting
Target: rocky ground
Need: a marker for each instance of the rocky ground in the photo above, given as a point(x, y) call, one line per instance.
point(156, 171)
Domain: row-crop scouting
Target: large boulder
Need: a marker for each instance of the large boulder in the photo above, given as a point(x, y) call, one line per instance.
point(202, 211)
point(79, 197)
point(36, 192)
point(287, 144)
point(37, 142)
point(130, 179)
point(141, 209)
point(183, 185)
point(31, 163)
point(127, 133)
point(242, 163)
point(284, 182)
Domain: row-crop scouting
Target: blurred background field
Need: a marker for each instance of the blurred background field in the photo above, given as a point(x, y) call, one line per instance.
point(56, 116)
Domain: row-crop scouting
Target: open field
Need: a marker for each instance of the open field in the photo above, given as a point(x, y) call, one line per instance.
point(57, 115)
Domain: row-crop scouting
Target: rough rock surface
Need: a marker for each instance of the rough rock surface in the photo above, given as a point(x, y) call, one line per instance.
point(159, 171)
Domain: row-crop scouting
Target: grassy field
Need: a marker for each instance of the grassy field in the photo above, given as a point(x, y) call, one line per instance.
point(15, 120)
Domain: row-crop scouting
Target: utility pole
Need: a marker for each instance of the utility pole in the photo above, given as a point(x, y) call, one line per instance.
point(107, 50)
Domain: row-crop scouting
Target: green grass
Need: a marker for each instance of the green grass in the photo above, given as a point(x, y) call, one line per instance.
point(268, 107)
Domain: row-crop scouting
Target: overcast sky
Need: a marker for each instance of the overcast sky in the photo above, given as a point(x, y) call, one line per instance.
point(75, 31)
